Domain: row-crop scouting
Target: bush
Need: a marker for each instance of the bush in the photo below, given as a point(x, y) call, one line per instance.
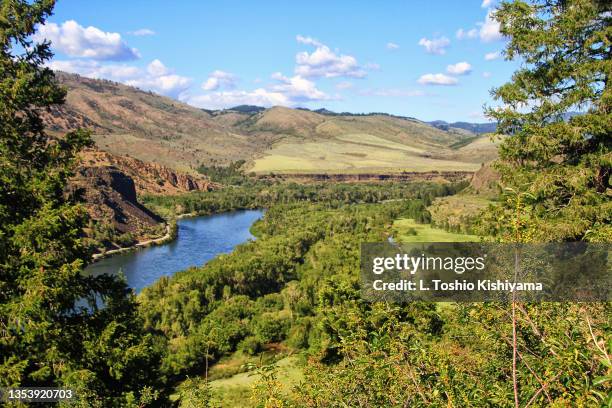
point(272, 327)
point(251, 345)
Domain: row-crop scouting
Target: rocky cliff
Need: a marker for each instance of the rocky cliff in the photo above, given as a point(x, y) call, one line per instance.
point(149, 178)
point(109, 186)
point(442, 176)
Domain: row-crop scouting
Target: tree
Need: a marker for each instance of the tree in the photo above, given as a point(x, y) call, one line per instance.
point(58, 327)
point(556, 161)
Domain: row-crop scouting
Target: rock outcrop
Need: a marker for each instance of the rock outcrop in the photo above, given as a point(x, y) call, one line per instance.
point(110, 195)
point(109, 186)
point(451, 176)
point(149, 178)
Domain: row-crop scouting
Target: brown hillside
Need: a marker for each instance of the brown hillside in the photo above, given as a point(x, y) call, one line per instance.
point(157, 129)
point(150, 127)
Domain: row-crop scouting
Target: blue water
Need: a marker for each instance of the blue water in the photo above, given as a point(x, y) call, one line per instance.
point(199, 240)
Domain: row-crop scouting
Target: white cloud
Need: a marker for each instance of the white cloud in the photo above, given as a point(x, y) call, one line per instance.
point(323, 62)
point(460, 68)
point(392, 46)
point(435, 46)
point(489, 29)
point(486, 3)
point(437, 79)
point(288, 91)
point(297, 88)
point(308, 41)
point(486, 74)
point(156, 78)
point(344, 85)
point(171, 85)
point(218, 79)
point(227, 99)
point(490, 56)
point(466, 34)
point(75, 40)
point(142, 32)
point(157, 68)
point(93, 69)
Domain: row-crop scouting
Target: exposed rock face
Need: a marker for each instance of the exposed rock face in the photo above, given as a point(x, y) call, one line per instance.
point(370, 177)
point(110, 195)
point(149, 178)
point(109, 186)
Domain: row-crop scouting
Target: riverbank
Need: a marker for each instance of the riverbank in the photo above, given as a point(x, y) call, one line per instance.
point(171, 234)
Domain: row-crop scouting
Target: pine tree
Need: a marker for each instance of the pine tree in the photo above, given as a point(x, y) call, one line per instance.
point(555, 162)
point(57, 326)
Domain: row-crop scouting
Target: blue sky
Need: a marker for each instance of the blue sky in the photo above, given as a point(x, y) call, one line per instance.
point(430, 60)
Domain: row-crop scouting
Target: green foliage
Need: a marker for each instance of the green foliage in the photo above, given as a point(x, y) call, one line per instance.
point(563, 166)
point(53, 332)
point(229, 175)
point(265, 291)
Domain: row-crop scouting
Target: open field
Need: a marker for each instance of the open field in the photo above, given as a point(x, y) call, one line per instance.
point(407, 230)
point(235, 391)
point(352, 153)
point(457, 210)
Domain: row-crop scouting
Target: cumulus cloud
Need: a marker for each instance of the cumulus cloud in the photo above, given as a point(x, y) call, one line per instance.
point(286, 91)
point(437, 79)
point(486, 3)
point(489, 29)
point(307, 41)
point(323, 62)
point(157, 68)
point(490, 56)
point(227, 99)
point(297, 88)
point(392, 46)
point(218, 79)
point(466, 34)
point(74, 40)
point(143, 32)
point(171, 85)
point(460, 68)
point(157, 77)
point(435, 46)
point(93, 69)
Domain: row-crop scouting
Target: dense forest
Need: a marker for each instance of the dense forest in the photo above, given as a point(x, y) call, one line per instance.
point(295, 289)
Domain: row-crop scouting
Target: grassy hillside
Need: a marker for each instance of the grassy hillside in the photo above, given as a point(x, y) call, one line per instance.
point(153, 128)
point(150, 127)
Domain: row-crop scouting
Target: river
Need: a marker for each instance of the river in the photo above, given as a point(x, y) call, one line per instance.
point(199, 240)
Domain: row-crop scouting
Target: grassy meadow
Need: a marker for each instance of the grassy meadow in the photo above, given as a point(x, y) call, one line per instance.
point(407, 230)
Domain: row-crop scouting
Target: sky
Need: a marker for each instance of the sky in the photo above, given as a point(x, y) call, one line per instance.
point(424, 59)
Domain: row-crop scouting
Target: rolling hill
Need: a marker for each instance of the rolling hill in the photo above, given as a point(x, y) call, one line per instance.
point(153, 128)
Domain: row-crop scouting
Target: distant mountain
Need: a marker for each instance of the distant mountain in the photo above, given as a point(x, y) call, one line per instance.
point(152, 128)
point(247, 109)
point(477, 128)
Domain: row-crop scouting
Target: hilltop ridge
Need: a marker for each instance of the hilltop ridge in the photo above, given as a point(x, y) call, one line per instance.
point(153, 128)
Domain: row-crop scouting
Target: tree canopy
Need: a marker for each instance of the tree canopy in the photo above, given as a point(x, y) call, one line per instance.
point(53, 331)
point(557, 112)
